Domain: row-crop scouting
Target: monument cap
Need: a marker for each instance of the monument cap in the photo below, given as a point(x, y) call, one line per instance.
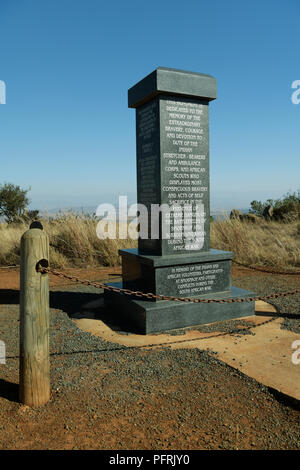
point(174, 82)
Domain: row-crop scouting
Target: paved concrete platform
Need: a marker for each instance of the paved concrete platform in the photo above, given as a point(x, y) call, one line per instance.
point(265, 355)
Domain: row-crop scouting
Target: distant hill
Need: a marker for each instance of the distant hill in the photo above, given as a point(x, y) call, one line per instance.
point(215, 213)
point(76, 210)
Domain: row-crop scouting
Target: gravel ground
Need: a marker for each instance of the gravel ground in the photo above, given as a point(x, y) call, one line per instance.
point(106, 396)
point(262, 284)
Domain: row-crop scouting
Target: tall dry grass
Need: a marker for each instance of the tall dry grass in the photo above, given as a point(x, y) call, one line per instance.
point(273, 244)
point(74, 242)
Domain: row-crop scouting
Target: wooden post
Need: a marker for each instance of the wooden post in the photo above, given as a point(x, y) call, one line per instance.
point(34, 389)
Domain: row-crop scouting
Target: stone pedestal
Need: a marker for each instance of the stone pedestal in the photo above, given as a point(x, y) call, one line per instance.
point(177, 275)
point(145, 316)
point(172, 138)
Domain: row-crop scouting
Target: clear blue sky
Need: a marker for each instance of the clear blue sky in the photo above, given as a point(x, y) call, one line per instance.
point(67, 132)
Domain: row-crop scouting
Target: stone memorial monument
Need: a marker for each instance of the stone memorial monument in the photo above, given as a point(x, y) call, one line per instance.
point(174, 257)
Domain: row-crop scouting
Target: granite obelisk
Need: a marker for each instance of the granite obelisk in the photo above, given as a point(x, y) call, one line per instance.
point(172, 143)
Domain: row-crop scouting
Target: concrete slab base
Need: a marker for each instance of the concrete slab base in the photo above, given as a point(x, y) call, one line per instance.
point(146, 316)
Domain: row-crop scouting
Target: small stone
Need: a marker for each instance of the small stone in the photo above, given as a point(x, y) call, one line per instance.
point(24, 408)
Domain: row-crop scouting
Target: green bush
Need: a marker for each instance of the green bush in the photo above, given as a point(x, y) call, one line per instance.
point(285, 208)
point(13, 202)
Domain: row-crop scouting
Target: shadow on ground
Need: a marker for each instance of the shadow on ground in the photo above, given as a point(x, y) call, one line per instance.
point(73, 304)
point(76, 305)
point(87, 305)
point(9, 296)
point(9, 391)
point(68, 301)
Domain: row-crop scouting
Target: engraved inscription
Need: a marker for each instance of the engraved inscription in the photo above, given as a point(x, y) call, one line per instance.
point(185, 171)
point(196, 279)
point(147, 154)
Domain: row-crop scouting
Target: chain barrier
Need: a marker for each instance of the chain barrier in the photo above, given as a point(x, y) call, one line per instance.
point(100, 285)
point(264, 270)
point(149, 295)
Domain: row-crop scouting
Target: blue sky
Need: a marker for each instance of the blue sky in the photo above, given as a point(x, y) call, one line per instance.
point(66, 130)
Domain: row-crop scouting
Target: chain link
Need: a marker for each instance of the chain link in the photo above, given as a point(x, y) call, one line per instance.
point(264, 270)
point(149, 295)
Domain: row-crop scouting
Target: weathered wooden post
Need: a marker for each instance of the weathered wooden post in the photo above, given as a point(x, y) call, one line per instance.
point(34, 389)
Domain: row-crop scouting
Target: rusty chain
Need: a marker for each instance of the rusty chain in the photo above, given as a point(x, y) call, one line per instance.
point(264, 270)
point(149, 295)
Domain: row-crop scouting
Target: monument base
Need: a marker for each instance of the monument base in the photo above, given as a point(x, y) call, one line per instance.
point(192, 274)
point(146, 316)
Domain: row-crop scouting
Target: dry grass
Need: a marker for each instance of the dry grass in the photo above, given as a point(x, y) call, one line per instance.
point(273, 244)
point(74, 242)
